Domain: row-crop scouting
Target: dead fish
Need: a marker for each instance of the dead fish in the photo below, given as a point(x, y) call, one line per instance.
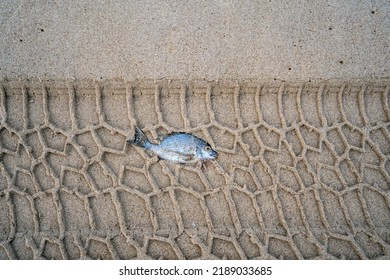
point(177, 147)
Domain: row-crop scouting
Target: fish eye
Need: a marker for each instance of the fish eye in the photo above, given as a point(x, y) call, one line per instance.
point(207, 148)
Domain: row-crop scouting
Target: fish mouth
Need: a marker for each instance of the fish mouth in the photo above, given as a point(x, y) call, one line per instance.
point(214, 155)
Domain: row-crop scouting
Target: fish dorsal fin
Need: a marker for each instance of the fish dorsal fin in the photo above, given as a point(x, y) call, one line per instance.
point(176, 133)
point(172, 134)
point(162, 137)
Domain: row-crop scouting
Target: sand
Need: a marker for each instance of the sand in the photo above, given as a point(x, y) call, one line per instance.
point(198, 40)
point(295, 99)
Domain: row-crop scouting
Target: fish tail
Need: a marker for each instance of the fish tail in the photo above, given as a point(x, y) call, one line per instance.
point(140, 138)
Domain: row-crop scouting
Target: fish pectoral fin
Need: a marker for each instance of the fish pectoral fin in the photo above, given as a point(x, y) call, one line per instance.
point(188, 157)
point(185, 157)
point(177, 156)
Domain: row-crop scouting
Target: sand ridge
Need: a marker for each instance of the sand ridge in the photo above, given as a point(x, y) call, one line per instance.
point(303, 171)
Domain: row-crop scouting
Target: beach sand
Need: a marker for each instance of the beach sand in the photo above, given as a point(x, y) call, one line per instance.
point(295, 99)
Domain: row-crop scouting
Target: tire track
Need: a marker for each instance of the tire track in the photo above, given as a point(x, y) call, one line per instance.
point(303, 171)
